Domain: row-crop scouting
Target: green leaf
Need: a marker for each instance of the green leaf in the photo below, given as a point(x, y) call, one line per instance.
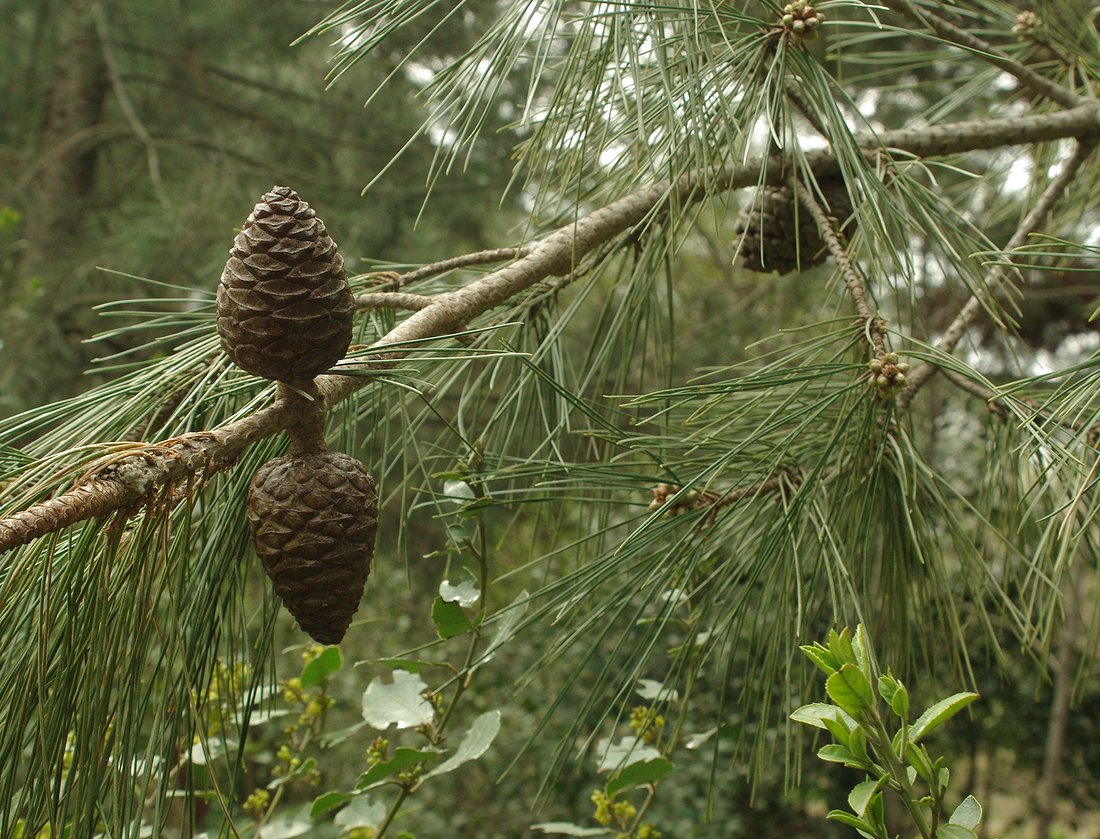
point(475, 743)
point(834, 753)
point(861, 795)
point(361, 812)
point(458, 491)
point(302, 768)
point(968, 814)
point(465, 594)
point(895, 695)
point(570, 829)
point(840, 645)
point(328, 801)
point(639, 774)
point(399, 703)
point(849, 689)
point(920, 762)
point(815, 714)
point(859, 824)
point(655, 691)
point(287, 824)
point(449, 619)
point(629, 750)
point(330, 739)
point(403, 758)
point(857, 742)
point(327, 663)
point(955, 831)
point(861, 647)
point(938, 714)
point(822, 658)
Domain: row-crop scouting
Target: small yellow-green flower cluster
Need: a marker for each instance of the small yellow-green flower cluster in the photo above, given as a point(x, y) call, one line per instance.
point(646, 723)
point(256, 804)
point(611, 812)
point(801, 19)
point(378, 751)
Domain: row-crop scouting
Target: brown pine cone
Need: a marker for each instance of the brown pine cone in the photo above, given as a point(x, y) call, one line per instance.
point(284, 307)
point(767, 229)
point(313, 519)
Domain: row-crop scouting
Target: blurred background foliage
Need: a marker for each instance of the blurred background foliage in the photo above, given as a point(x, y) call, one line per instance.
point(135, 137)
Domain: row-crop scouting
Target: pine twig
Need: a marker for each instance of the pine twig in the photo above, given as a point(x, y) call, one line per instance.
point(872, 324)
point(997, 57)
point(392, 300)
point(434, 269)
point(1031, 224)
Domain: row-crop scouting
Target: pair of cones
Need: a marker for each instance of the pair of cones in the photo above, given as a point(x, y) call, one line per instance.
point(285, 313)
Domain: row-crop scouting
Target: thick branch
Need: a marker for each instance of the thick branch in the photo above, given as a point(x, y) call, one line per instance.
point(555, 255)
point(392, 300)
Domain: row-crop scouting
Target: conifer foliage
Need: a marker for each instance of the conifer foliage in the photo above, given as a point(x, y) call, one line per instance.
point(752, 369)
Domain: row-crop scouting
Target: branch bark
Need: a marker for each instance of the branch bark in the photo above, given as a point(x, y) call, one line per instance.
point(202, 453)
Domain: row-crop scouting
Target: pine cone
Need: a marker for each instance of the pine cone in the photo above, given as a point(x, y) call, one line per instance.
point(767, 230)
point(313, 519)
point(284, 307)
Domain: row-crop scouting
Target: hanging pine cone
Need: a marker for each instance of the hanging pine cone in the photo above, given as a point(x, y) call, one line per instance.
point(284, 307)
point(313, 519)
point(768, 232)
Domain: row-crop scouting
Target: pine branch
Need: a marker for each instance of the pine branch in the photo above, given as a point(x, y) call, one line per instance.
point(871, 324)
point(392, 300)
point(202, 453)
point(1031, 224)
point(982, 48)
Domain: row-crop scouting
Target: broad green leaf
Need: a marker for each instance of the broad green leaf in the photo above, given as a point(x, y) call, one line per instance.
point(339, 736)
point(327, 663)
point(861, 795)
point(654, 691)
point(403, 758)
point(861, 646)
point(895, 695)
point(834, 753)
point(629, 750)
point(968, 814)
point(864, 828)
point(287, 824)
point(476, 741)
point(920, 762)
point(822, 658)
point(361, 812)
point(507, 622)
point(302, 768)
point(458, 491)
point(398, 703)
point(449, 619)
point(955, 831)
point(938, 714)
point(816, 713)
point(857, 742)
point(328, 801)
point(465, 594)
point(638, 774)
point(849, 689)
point(570, 829)
point(840, 645)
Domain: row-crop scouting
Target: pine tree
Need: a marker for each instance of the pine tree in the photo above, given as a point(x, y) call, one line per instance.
point(908, 441)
